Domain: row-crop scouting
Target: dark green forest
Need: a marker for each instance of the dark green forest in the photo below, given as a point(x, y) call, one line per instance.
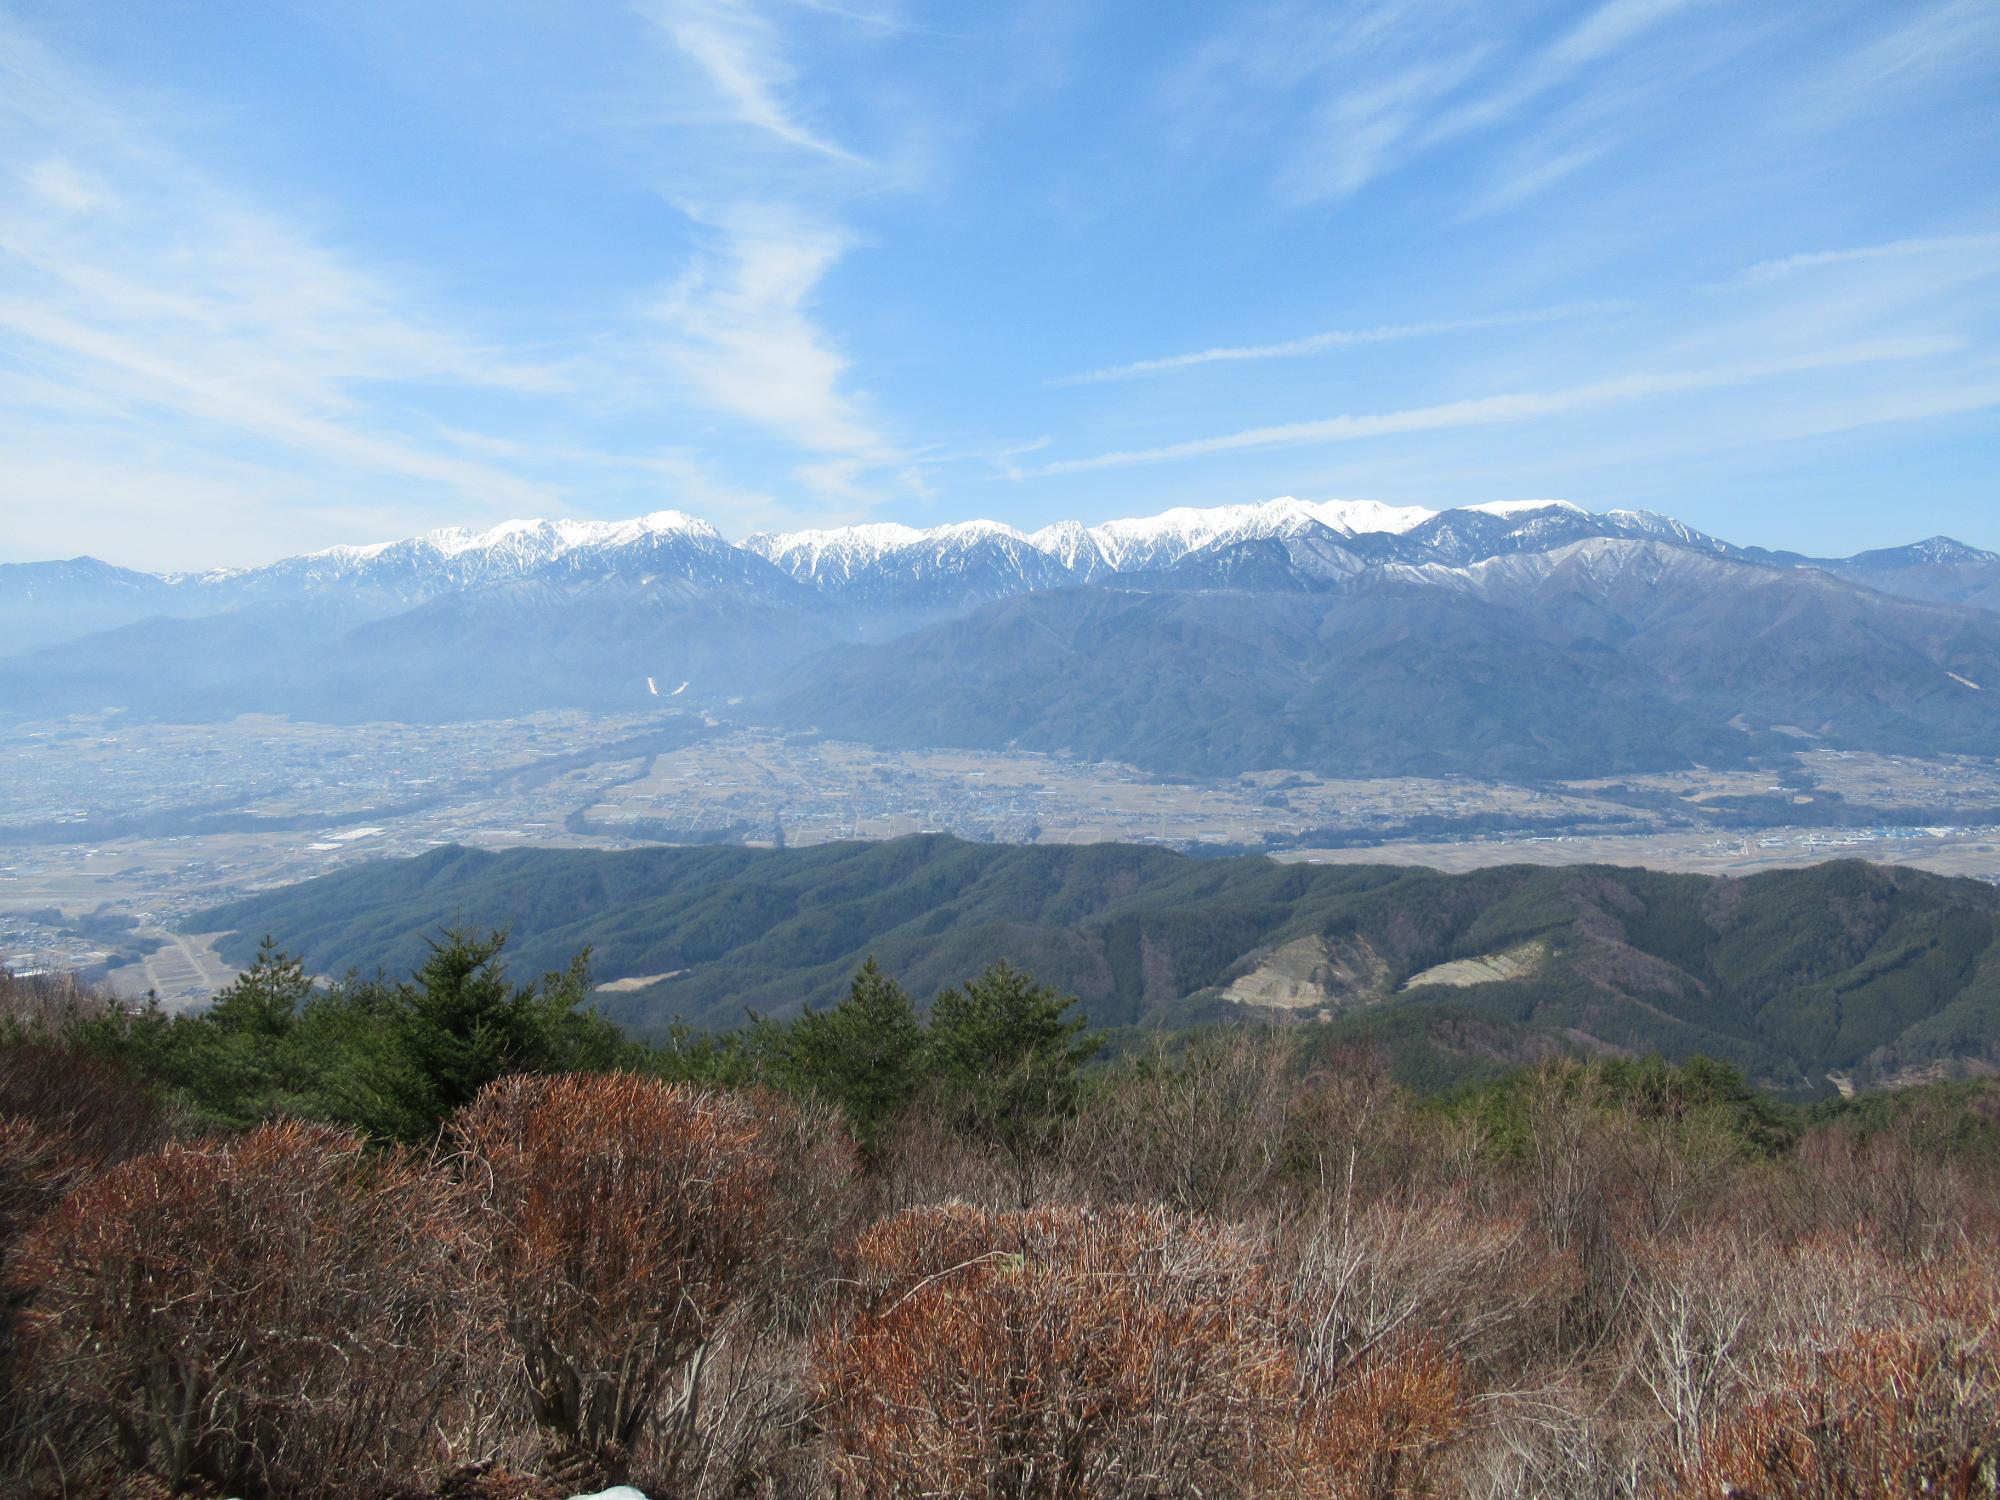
point(1790, 975)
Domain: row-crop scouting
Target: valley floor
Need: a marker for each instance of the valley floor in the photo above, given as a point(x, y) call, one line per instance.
point(1945, 850)
point(112, 831)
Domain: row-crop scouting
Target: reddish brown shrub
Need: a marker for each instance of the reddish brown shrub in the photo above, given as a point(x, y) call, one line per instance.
point(276, 1315)
point(1057, 1352)
point(1885, 1413)
point(1384, 1303)
point(624, 1216)
point(1381, 1431)
point(63, 1116)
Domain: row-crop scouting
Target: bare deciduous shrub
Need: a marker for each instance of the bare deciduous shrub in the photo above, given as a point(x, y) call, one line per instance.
point(1205, 1132)
point(42, 1005)
point(744, 1438)
point(1879, 1414)
point(925, 1160)
point(814, 1202)
point(1335, 1133)
point(1054, 1353)
point(623, 1214)
point(1698, 1303)
point(1367, 1275)
point(276, 1315)
point(63, 1116)
point(1553, 1442)
point(1911, 1200)
point(1387, 1301)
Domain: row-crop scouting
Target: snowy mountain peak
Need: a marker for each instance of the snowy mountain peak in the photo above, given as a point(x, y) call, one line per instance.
point(1506, 508)
point(1944, 549)
point(1360, 517)
point(1153, 541)
point(973, 531)
point(1071, 544)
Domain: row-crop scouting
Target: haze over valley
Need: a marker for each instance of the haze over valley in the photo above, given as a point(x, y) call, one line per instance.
point(1333, 681)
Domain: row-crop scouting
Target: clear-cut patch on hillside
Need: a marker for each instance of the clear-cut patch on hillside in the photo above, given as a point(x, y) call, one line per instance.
point(1516, 963)
point(1309, 973)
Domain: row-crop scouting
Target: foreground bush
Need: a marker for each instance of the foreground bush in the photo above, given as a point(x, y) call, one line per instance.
point(275, 1316)
point(1881, 1414)
point(63, 1117)
point(1612, 1282)
point(1053, 1353)
point(623, 1214)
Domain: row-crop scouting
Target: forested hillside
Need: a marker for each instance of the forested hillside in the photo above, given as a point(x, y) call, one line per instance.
point(1841, 967)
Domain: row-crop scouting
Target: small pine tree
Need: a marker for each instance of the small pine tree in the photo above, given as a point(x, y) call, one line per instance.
point(864, 1055)
point(1005, 1052)
point(460, 1026)
point(264, 1001)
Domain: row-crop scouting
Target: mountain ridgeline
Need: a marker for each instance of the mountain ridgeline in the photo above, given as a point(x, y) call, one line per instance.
point(1846, 967)
point(1522, 640)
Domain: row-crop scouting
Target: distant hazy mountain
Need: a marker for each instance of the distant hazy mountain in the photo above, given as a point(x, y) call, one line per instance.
point(1841, 966)
point(63, 600)
point(1602, 655)
point(1939, 569)
point(45, 602)
point(1518, 638)
point(529, 615)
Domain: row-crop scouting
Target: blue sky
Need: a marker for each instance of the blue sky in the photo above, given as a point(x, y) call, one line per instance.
point(276, 275)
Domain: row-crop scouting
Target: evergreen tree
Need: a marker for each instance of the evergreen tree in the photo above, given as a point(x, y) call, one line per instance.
point(264, 1001)
point(1005, 1052)
point(458, 1027)
point(864, 1055)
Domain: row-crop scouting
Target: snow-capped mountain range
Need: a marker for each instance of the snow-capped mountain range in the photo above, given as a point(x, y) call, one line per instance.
point(1244, 636)
point(884, 576)
point(1135, 544)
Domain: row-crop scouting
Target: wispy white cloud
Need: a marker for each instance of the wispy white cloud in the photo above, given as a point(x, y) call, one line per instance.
point(1318, 343)
point(1948, 244)
point(1537, 174)
point(135, 288)
point(1365, 91)
point(740, 334)
point(737, 50)
point(739, 338)
point(1604, 32)
point(1518, 406)
point(1919, 45)
point(1360, 133)
point(157, 321)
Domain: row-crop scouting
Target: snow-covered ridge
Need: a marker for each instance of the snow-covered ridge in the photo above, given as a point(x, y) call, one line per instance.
point(843, 551)
point(972, 559)
point(538, 539)
point(1506, 508)
point(1133, 542)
